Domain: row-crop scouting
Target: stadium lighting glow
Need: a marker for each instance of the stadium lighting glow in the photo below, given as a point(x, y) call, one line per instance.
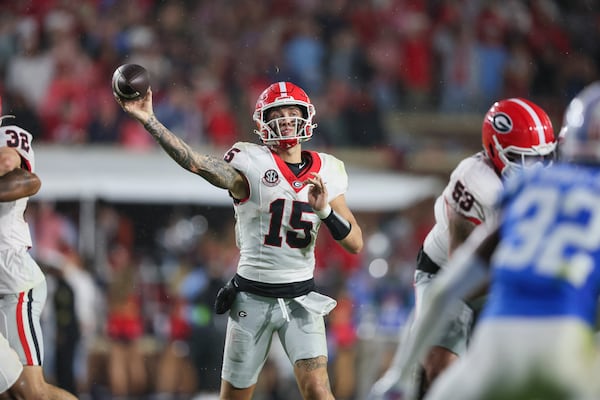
point(378, 268)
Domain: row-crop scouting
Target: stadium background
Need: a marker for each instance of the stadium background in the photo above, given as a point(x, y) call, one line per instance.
point(400, 88)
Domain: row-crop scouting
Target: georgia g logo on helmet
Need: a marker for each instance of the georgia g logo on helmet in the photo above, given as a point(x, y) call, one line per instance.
point(502, 123)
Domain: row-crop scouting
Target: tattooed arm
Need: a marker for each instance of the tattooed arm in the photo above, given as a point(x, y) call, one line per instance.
point(213, 169)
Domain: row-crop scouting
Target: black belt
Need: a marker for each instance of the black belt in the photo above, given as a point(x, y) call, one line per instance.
point(426, 264)
point(276, 290)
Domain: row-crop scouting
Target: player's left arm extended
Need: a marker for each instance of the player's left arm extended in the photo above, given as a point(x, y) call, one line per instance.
point(353, 242)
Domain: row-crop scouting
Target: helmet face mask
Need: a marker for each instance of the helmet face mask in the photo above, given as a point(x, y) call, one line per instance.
point(287, 127)
point(517, 134)
point(523, 160)
point(286, 130)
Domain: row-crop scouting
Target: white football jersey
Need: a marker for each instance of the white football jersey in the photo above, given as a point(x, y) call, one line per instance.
point(14, 231)
point(18, 271)
point(473, 192)
point(276, 229)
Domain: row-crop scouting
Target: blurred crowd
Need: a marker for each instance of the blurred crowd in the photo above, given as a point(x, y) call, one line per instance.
point(135, 317)
point(357, 59)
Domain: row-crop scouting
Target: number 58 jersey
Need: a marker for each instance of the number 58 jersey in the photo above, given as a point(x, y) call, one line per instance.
point(276, 228)
point(14, 231)
point(472, 192)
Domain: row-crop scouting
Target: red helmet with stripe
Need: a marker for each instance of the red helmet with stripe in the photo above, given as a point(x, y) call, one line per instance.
point(283, 94)
point(517, 133)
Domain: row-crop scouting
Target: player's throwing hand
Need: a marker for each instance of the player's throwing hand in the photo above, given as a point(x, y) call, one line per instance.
point(140, 109)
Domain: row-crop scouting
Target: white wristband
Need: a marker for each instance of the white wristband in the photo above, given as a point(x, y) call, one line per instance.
point(324, 213)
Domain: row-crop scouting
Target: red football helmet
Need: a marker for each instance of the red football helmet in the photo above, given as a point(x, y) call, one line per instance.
point(270, 131)
point(517, 133)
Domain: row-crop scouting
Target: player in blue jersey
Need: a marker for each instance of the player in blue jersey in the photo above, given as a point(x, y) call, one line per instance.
point(535, 338)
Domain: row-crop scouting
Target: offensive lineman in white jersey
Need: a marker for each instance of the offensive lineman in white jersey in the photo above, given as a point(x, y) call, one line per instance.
point(516, 133)
point(22, 283)
point(281, 196)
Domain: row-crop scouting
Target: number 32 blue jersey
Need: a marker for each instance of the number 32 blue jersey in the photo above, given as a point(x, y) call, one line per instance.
point(548, 262)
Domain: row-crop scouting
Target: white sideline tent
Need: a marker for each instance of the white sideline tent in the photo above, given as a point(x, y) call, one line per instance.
point(88, 174)
point(118, 175)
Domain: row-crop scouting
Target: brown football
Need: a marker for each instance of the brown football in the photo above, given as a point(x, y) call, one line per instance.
point(130, 82)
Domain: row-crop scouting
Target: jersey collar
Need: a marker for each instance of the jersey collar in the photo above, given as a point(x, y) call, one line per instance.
point(296, 182)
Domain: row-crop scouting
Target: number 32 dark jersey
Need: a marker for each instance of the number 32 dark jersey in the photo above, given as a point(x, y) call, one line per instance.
point(276, 228)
